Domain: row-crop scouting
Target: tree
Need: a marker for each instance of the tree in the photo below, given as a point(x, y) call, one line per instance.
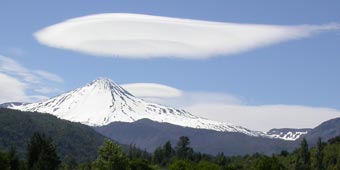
point(158, 156)
point(284, 153)
point(168, 150)
point(181, 165)
point(111, 157)
point(69, 163)
point(221, 159)
point(205, 165)
point(303, 157)
point(41, 153)
point(4, 161)
point(168, 153)
point(13, 159)
point(268, 163)
point(164, 154)
point(136, 153)
point(319, 155)
point(138, 164)
point(337, 165)
point(183, 150)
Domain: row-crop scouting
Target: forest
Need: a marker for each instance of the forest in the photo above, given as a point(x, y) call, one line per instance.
point(42, 154)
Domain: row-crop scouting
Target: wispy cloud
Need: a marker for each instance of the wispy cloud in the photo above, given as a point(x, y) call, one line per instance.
point(48, 76)
point(11, 89)
point(17, 80)
point(146, 36)
point(150, 90)
point(47, 90)
point(10, 66)
point(232, 109)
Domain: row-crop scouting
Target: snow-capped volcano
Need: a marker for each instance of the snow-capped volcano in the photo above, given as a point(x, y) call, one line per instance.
point(102, 101)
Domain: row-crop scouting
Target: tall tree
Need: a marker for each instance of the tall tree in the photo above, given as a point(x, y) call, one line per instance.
point(134, 152)
point(41, 153)
point(268, 163)
point(164, 154)
point(158, 156)
point(337, 164)
point(221, 159)
point(181, 165)
point(4, 161)
point(168, 152)
point(183, 150)
point(13, 159)
point(111, 157)
point(303, 157)
point(319, 155)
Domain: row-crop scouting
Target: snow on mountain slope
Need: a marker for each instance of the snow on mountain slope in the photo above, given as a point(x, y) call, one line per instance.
point(287, 133)
point(102, 102)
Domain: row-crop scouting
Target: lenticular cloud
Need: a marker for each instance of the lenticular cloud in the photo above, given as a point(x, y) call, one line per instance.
point(146, 36)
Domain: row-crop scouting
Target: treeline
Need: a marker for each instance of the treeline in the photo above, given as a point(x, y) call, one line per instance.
point(42, 154)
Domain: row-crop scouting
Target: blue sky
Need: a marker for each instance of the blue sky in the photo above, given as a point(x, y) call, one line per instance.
point(302, 72)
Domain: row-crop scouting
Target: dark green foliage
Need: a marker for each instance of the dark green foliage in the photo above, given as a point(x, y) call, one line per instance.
point(41, 153)
point(181, 165)
point(13, 159)
point(71, 139)
point(69, 164)
point(4, 161)
point(205, 165)
point(111, 157)
point(10, 161)
point(158, 156)
point(268, 163)
point(169, 152)
point(221, 159)
point(85, 166)
point(303, 157)
point(183, 151)
point(163, 155)
point(319, 155)
point(135, 153)
point(284, 153)
point(337, 165)
point(334, 140)
point(138, 164)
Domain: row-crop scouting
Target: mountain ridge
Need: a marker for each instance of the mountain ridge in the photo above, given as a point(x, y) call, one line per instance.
point(148, 134)
point(102, 102)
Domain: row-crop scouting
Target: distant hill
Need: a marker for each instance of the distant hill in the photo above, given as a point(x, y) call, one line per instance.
point(325, 130)
point(72, 139)
point(150, 134)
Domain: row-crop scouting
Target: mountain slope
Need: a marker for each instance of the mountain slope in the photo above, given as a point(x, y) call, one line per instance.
point(149, 134)
point(102, 102)
point(325, 131)
point(72, 139)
